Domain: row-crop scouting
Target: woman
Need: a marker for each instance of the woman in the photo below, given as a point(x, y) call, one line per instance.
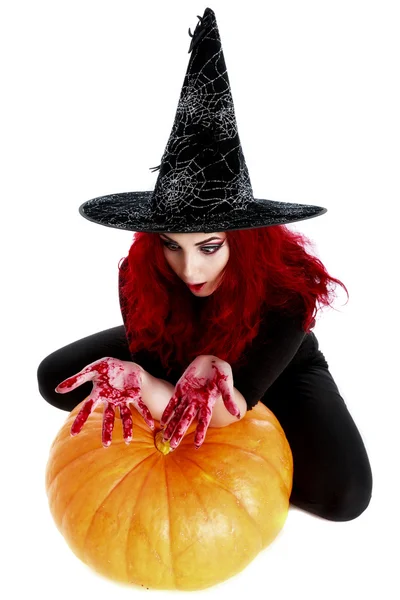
point(245, 336)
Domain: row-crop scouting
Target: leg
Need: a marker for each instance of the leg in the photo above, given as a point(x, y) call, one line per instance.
point(332, 475)
point(72, 358)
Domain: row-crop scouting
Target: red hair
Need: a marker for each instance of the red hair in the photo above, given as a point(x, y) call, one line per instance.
point(268, 269)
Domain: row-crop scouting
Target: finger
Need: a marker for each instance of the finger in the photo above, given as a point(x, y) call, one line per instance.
point(97, 367)
point(170, 408)
point(126, 418)
point(205, 416)
point(169, 430)
point(108, 424)
point(184, 424)
point(142, 410)
point(76, 380)
point(82, 416)
point(227, 398)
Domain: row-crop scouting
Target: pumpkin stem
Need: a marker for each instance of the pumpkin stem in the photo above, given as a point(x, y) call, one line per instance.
point(163, 447)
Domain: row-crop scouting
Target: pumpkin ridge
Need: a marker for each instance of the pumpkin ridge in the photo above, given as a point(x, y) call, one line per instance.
point(261, 422)
point(86, 480)
point(254, 454)
point(169, 526)
point(49, 485)
point(192, 489)
point(68, 440)
point(78, 489)
point(240, 448)
point(131, 519)
point(256, 525)
point(70, 463)
point(111, 491)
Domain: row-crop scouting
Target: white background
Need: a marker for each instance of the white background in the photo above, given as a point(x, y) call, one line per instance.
point(90, 91)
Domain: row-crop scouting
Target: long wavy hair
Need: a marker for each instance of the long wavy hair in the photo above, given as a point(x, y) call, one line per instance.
point(269, 268)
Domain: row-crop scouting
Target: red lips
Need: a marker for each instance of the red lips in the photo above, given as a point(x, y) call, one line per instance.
point(197, 286)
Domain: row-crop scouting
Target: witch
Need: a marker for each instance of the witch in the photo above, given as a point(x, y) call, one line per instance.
point(218, 299)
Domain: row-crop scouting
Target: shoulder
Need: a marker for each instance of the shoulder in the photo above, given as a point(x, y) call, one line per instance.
point(277, 318)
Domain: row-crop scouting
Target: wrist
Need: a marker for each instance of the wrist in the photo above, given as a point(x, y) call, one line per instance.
point(155, 393)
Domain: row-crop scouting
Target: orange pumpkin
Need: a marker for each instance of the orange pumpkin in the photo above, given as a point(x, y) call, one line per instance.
point(182, 520)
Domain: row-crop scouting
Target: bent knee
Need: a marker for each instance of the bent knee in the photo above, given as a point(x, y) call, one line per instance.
point(350, 503)
point(48, 378)
point(46, 375)
point(50, 372)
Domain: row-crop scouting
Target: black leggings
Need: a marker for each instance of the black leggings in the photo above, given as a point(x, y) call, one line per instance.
point(332, 476)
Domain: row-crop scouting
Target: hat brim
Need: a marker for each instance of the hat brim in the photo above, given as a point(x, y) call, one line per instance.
point(132, 211)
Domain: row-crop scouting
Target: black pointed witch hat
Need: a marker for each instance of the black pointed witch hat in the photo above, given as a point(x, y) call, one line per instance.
point(203, 183)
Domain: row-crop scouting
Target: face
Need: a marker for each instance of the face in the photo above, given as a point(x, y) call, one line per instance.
point(196, 258)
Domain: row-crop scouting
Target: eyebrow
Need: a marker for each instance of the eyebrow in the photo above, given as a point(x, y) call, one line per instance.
point(198, 244)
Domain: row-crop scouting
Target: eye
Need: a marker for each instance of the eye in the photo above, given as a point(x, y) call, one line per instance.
point(205, 249)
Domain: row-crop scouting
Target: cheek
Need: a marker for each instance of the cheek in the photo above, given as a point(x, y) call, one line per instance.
point(218, 265)
point(224, 258)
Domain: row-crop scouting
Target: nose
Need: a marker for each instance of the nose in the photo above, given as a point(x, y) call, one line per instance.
point(191, 269)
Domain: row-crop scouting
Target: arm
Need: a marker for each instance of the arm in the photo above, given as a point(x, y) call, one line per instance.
point(221, 417)
point(275, 345)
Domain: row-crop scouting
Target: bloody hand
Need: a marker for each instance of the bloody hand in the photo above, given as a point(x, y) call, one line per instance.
point(116, 383)
point(196, 392)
